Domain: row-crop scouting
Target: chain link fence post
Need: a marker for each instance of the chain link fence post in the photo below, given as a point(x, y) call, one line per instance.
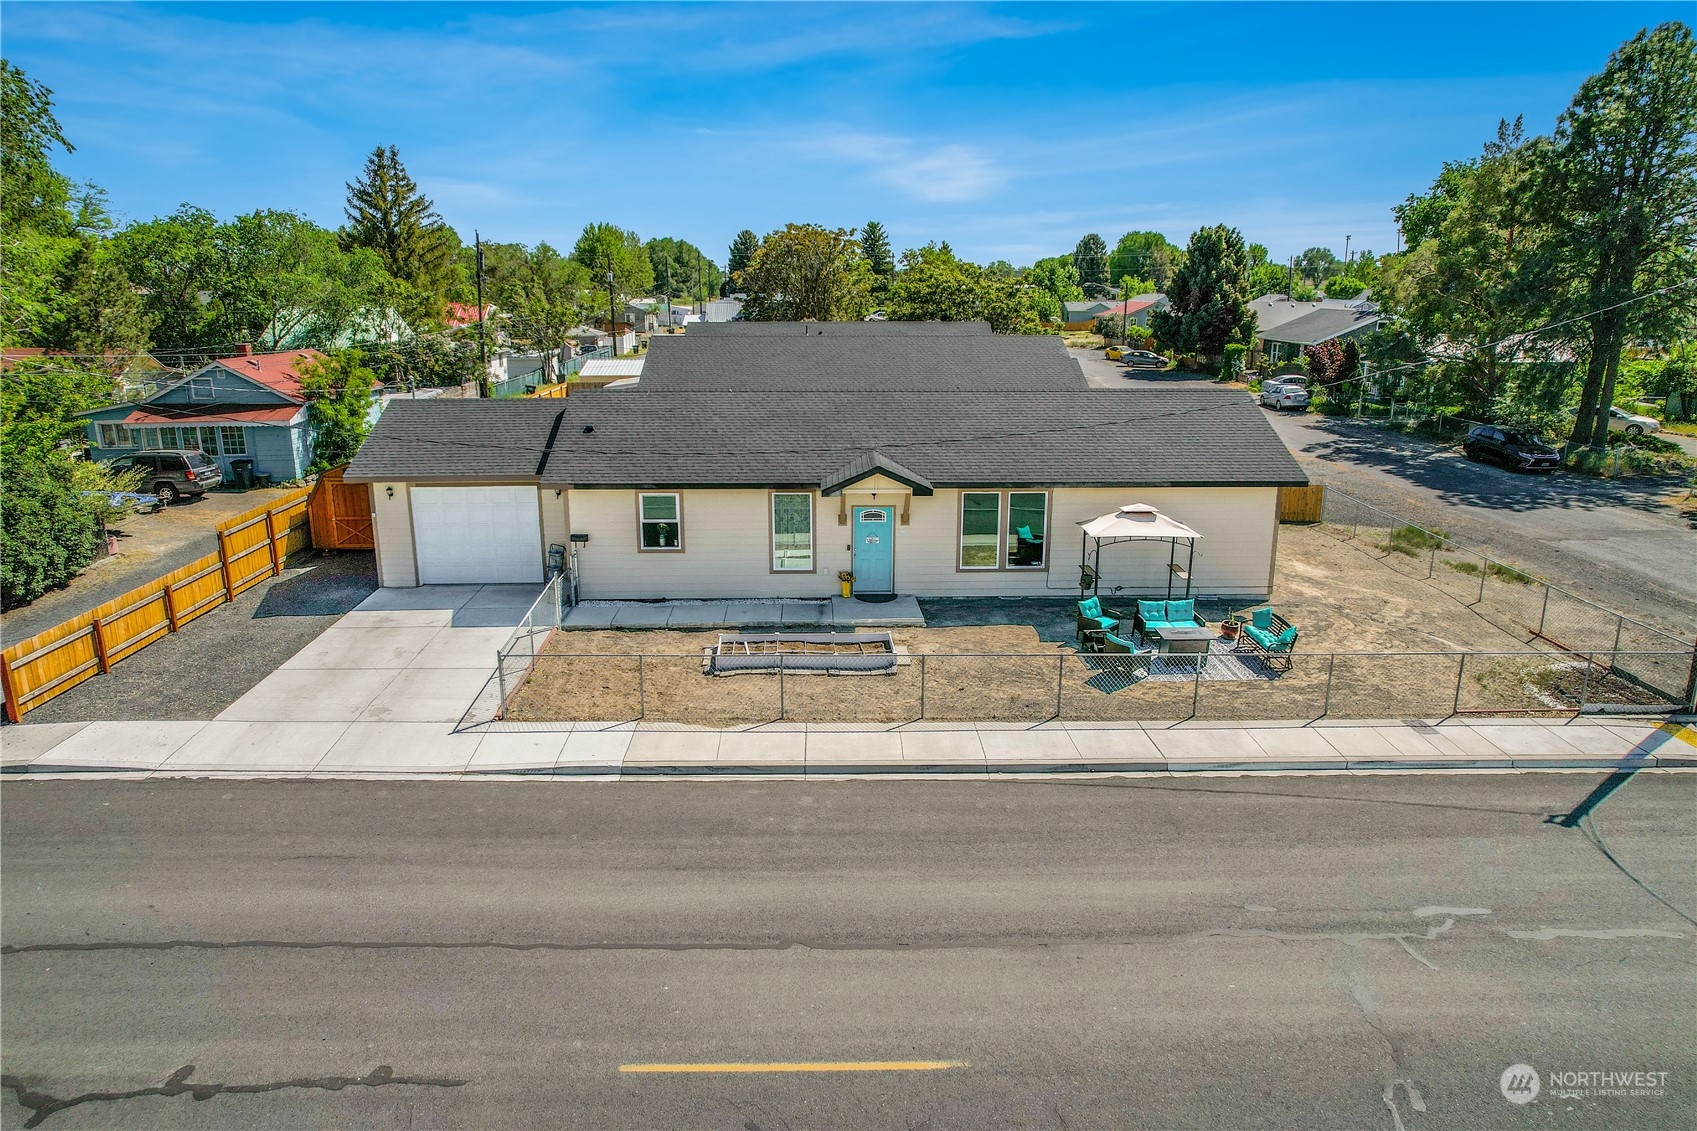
point(782, 710)
point(1432, 561)
point(1460, 669)
point(1585, 684)
point(922, 685)
point(1484, 569)
point(1060, 682)
point(1614, 652)
point(1196, 687)
point(1331, 665)
point(641, 689)
point(501, 681)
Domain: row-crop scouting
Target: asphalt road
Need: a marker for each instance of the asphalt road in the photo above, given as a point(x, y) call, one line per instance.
point(1219, 953)
point(1613, 541)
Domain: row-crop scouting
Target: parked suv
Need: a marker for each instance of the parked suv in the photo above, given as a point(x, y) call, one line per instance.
point(1516, 451)
point(1285, 392)
point(173, 473)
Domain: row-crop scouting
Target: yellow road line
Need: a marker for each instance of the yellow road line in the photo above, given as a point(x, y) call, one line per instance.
point(806, 1066)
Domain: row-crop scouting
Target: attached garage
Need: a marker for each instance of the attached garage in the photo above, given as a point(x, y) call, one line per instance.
point(471, 535)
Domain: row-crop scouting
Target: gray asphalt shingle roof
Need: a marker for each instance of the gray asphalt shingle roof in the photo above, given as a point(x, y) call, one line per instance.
point(457, 439)
point(1083, 437)
point(856, 355)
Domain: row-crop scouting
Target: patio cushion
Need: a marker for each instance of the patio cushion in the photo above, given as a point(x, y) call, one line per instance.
point(1108, 623)
point(1262, 618)
point(1181, 612)
point(1121, 641)
point(1152, 611)
point(1287, 637)
point(1025, 534)
point(1090, 607)
point(1262, 637)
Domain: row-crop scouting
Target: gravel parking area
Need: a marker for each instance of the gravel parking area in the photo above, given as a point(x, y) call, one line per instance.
point(216, 659)
point(148, 545)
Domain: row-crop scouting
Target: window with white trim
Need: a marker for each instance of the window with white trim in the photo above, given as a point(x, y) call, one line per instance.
point(232, 441)
point(116, 436)
point(661, 519)
point(208, 441)
point(200, 388)
point(1028, 520)
point(980, 529)
point(792, 531)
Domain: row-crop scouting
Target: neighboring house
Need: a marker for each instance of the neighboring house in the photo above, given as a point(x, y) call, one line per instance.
point(1284, 326)
point(759, 459)
point(459, 315)
point(367, 326)
point(645, 314)
point(722, 310)
point(1083, 315)
point(244, 407)
point(1135, 311)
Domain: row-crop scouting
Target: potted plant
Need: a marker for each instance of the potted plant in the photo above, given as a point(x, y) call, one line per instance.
point(847, 578)
point(1229, 627)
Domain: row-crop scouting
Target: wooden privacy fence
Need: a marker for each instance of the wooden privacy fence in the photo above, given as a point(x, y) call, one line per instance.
point(340, 513)
point(251, 547)
point(1301, 504)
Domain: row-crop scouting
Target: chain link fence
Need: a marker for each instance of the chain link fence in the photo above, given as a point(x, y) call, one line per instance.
point(558, 686)
point(1661, 664)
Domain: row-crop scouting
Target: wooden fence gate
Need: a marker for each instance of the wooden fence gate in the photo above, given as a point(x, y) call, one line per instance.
point(341, 513)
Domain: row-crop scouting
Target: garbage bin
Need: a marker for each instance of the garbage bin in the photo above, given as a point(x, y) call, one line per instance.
point(241, 471)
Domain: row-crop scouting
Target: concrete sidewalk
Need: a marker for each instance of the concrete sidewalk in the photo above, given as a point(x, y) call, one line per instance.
point(830, 612)
point(322, 747)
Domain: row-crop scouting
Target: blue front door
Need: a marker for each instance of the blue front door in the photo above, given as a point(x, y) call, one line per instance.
point(874, 550)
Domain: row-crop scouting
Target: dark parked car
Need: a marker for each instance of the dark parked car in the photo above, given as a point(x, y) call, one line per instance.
point(1516, 451)
point(173, 473)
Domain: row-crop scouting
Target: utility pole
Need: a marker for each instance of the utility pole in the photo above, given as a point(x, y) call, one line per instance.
point(612, 317)
point(1290, 278)
point(1346, 240)
point(482, 337)
point(1125, 304)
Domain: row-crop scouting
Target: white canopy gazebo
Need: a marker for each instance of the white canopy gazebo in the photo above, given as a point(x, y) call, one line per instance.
point(1137, 522)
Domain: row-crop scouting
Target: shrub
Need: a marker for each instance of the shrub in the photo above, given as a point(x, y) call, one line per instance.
point(1415, 540)
point(49, 534)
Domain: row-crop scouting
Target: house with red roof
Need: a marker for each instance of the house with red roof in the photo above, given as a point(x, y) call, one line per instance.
point(249, 406)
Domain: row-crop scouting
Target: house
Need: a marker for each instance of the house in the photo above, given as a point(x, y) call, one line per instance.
point(1284, 326)
point(600, 371)
point(248, 406)
point(760, 459)
point(459, 315)
point(1135, 311)
point(1083, 315)
point(137, 374)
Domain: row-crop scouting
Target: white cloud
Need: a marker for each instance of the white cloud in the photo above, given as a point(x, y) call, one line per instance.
point(943, 174)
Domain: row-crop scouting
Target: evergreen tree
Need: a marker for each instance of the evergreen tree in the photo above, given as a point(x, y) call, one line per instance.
point(875, 248)
point(1208, 296)
point(1090, 260)
point(387, 213)
point(742, 252)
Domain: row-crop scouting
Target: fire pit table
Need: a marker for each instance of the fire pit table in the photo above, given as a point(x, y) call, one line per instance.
point(1181, 641)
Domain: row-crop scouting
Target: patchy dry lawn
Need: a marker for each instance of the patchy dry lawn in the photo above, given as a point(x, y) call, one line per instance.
point(1343, 600)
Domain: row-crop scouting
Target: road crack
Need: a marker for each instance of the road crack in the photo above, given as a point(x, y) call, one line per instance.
point(43, 1104)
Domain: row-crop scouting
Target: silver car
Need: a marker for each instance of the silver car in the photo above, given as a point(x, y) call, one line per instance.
point(174, 472)
point(1285, 392)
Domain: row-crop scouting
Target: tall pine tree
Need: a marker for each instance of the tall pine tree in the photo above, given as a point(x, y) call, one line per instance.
point(1090, 258)
point(387, 213)
point(741, 255)
point(875, 247)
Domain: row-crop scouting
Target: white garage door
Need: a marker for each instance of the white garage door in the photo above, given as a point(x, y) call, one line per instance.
point(476, 534)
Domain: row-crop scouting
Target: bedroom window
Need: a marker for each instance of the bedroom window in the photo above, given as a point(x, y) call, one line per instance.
point(233, 440)
point(980, 529)
point(1028, 519)
point(661, 519)
point(792, 531)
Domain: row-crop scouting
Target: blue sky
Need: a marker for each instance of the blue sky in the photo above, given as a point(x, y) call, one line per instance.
point(1008, 130)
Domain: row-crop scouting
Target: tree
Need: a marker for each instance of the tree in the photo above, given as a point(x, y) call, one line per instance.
point(387, 213)
point(1144, 255)
point(804, 272)
point(1468, 292)
point(1268, 279)
point(1318, 264)
point(739, 257)
point(933, 285)
point(875, 249)
point(1619, 186)
point(1343, 286)
point(1335, 368)
point(337, 388)
point(32, 192)
point(1421, 216)
point(682, 270)
point(542, 295)
point(1053, 282)
point(98, 311)
point(1090, 260)
point(607, 247)
point(1208, 297)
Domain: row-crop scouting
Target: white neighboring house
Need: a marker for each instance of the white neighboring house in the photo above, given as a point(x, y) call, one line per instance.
point(1283, 326)
point(759, 459)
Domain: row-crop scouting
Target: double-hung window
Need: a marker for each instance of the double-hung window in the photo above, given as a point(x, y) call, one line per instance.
point(116, 436)
point(1028, 520)
point(792, 531)
point(980, 529)
point(208, 440)
point(661, 519)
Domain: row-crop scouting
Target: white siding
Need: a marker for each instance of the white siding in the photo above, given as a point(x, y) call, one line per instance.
point(393, 525)
point(727, 545)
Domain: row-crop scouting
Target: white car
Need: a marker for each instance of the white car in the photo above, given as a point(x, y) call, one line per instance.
point(1285, 392)
point(1631, 423)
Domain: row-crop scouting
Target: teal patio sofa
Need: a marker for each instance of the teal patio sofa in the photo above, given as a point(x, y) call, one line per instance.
point(1151, 615)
